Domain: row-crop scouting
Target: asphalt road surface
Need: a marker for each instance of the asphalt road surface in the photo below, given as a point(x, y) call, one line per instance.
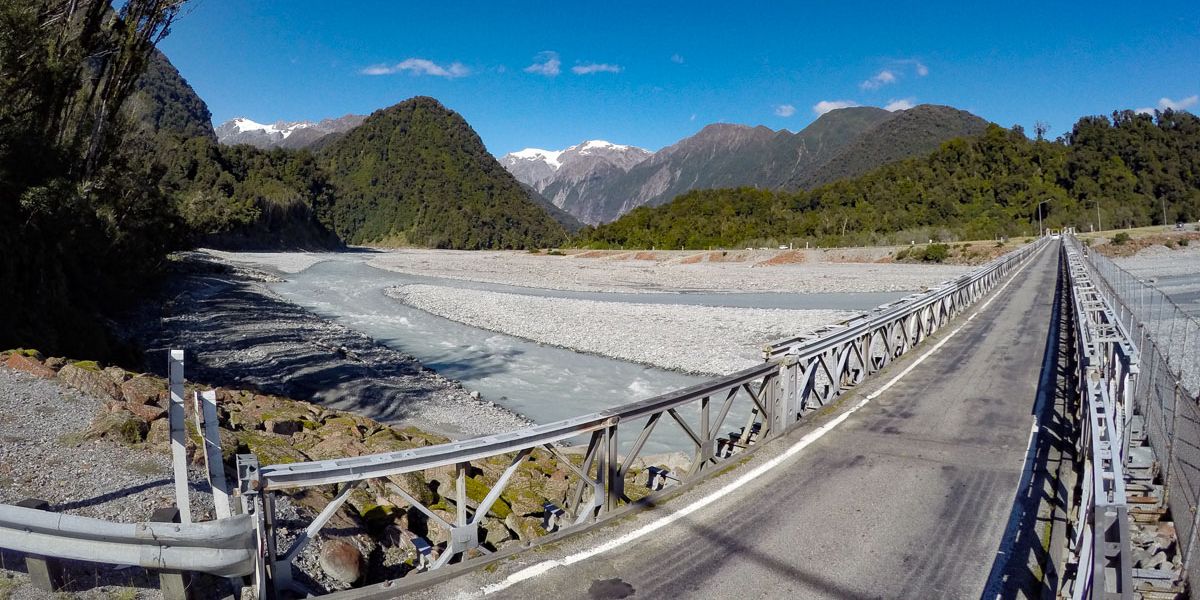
point(908, 497)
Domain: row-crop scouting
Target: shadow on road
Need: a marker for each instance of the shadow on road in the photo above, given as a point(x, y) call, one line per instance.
point(1024, 566)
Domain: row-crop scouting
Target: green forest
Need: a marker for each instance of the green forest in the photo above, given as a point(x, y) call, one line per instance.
point(1128, 170)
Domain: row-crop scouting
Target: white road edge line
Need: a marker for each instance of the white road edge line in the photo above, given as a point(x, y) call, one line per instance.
point(545, 566)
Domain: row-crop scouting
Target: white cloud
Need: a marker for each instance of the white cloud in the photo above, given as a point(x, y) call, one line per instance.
point(785, 110)
point(589, 68)
point(419, 66)
point(1164, 103)
point(545, 63)
point(901, 104)
point(693, 117)
point(880, 79)
point(1181, 104)
point(825, 106)
point(922, 70)
point(677, 59)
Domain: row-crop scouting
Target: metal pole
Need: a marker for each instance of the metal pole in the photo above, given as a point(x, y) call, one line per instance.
point(175, 417)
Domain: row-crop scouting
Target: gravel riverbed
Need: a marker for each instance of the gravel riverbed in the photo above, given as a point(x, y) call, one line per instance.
point(815, 271)
point(694, 339)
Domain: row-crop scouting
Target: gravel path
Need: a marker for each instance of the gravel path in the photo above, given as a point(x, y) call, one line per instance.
point(695, 339)
point(669, 272)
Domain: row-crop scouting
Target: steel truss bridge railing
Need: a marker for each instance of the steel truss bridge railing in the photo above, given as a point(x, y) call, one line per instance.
point(1161, 428)
point(1100, 561)
point(800, 375)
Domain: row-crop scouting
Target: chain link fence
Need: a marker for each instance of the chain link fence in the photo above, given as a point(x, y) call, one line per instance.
point(1167, 392)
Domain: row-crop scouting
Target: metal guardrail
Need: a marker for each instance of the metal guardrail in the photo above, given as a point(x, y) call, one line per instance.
point(1107, 366)
point(224, 547)
point(800, 375)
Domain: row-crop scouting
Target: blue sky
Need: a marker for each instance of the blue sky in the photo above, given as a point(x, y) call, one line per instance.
point(551, 74)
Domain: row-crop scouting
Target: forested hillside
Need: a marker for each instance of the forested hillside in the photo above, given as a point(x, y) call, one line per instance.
point(1132, 167)
point(83, 221)
point(417, 174)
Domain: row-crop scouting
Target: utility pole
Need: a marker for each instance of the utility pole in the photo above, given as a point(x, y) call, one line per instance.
point(1099, 227)
point(1041, 231)
point(1164, 207)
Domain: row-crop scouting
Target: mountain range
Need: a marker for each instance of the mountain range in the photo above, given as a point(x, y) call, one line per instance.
point(598, 181)
point(283, 134)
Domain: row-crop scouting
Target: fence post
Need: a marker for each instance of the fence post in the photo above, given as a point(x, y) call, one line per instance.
point(45, 573)
point(174, 584)
point(175, 416)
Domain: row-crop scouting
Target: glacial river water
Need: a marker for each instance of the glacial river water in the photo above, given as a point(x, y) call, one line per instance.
point(544, 383)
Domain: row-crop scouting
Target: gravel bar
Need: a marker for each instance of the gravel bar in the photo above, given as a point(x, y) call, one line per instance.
point(668, 272)
point(693, 339)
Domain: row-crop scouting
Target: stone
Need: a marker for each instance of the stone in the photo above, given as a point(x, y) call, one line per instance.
point(146, 412)
point(56, 362)
point(526, 528)
point(120, 425)
point(89, 379)
point(117, 374)
point(341, 560)
point(144, 389)
point(475, 394)
point(29, 365)
point(283, 426)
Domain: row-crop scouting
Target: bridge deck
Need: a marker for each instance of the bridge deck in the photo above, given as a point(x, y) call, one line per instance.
point(907, 498)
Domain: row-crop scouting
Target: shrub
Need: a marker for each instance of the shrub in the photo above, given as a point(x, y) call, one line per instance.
point(901, 255)
point(1184, 242)
point(555, 253)
point(936, 253)
point(1120, 239)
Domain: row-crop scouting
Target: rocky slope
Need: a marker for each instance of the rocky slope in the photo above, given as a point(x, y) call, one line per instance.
point(573, 179)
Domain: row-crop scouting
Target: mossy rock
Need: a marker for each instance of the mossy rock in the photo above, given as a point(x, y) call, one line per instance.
point(421, 438)
point(90, 365)
point(120, 425)
point(270, 449)
point(24, 352)
point(477, 491)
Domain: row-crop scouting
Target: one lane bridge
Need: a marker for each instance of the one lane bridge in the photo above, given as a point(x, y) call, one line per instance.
point(908, 497)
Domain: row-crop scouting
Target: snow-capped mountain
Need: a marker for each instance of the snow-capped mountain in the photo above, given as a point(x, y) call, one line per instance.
point(573, 178)
point(283, 134)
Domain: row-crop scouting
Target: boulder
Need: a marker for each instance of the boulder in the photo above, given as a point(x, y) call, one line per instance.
point(56, 362)
point(29, 364)
point(270, 449)
point(145, 389)
point(283, 426)
point(89, 379)
point(146, 412)
point(341, 560)
point(117, 374)
point(121, 425)
point(526, 528)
